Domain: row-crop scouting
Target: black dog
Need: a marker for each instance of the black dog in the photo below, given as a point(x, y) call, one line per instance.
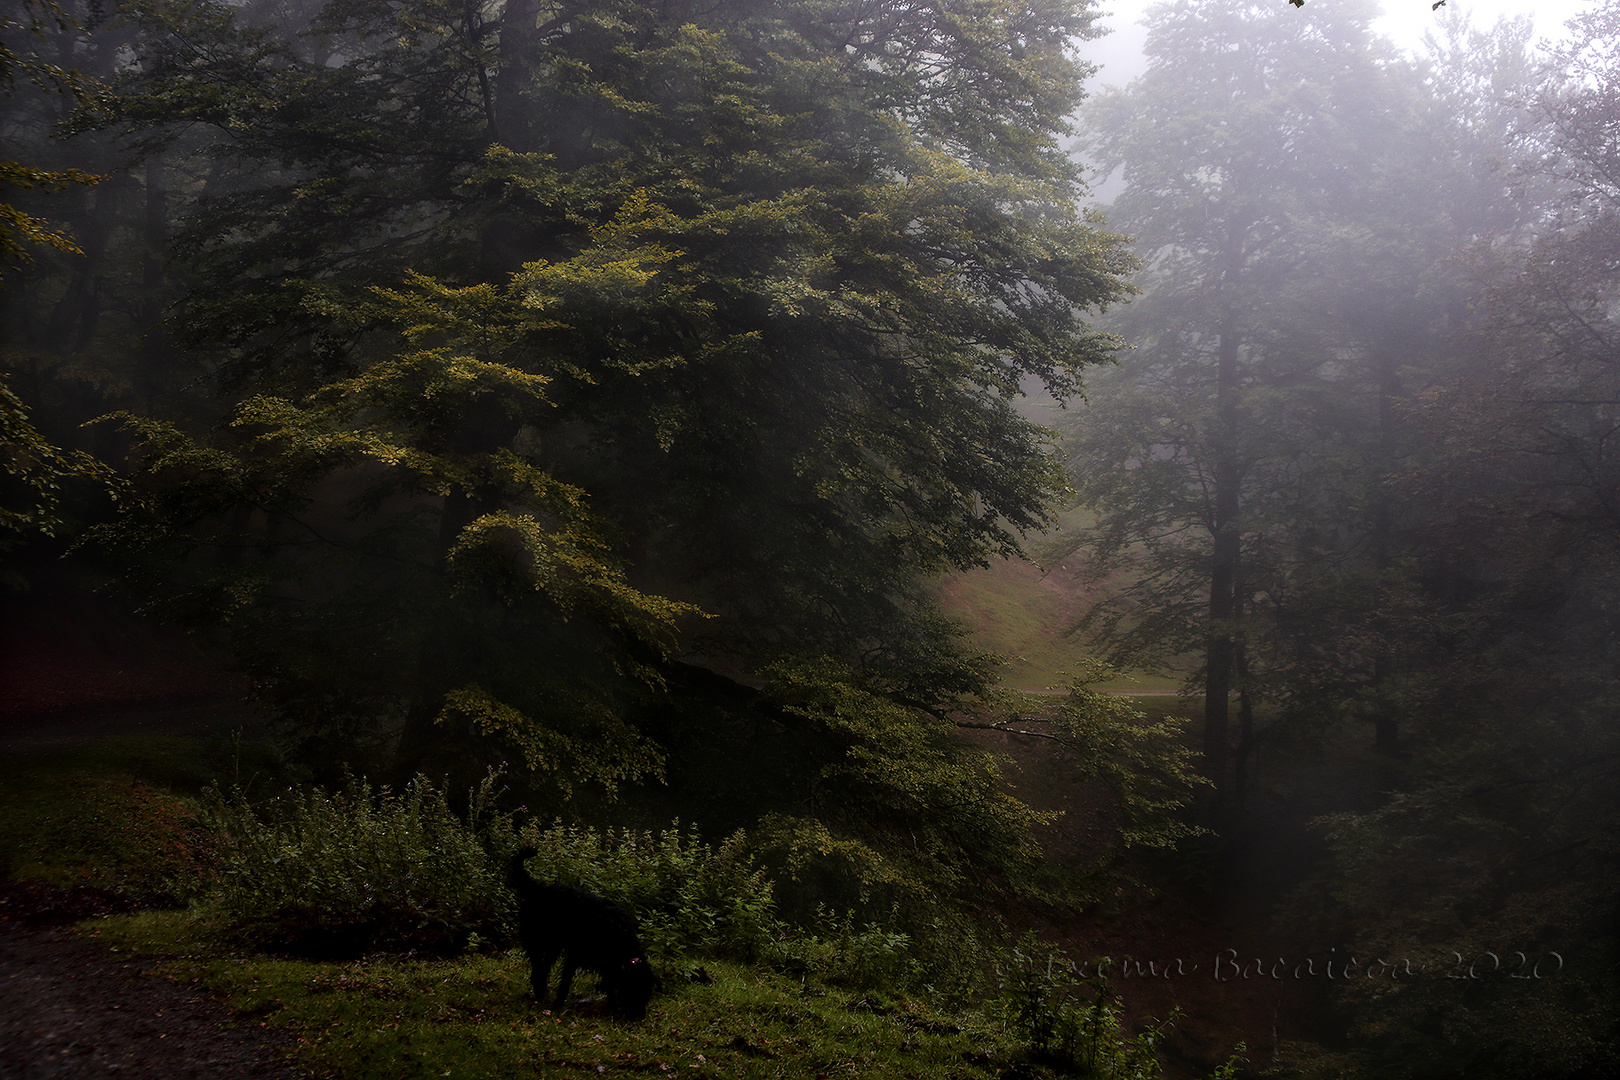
point(587, 932)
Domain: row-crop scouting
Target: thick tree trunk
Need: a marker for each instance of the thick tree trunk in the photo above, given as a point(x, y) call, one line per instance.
point(510, 114)
point(73, 318)
point(509, 239)
point(437, 666)
point(443, 663)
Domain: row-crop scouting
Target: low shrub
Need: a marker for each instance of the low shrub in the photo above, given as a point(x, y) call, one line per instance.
point(1071, 1021)
point(691, 898)
point(332, 874)
point(319, 874)
point(840, 951)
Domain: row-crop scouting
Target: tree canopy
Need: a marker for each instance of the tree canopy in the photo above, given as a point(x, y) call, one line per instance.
point(20, 230)
point(539, 372)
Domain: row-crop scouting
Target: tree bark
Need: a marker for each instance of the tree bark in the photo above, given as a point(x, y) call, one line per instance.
point(154, 238)
point(421, 740)
point(1245, 745)
point(512, 124)
point(76, 315)
point(441, 660)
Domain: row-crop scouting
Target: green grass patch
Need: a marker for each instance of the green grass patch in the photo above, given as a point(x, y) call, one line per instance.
point(1016, 609)
point(473, 1016)
point(119, 813)
point(187, 764)
point(104, 828)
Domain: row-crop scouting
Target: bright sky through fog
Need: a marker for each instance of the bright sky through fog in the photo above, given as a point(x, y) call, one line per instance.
point(1404, 22)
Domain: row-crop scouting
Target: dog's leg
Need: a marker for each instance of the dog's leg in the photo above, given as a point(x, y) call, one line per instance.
point(540, 965)
point(566, 982)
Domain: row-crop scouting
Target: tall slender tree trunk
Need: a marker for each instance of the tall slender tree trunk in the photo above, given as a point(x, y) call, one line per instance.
point(1386, 725)
point(154, 348)
point(1220, 656)
point(1245, 742)
point(154, 239)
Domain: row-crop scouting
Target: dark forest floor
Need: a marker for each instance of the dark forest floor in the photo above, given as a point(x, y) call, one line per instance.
point(1166, 927)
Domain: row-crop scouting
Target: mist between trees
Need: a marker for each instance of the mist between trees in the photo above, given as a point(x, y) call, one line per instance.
point(601, 385)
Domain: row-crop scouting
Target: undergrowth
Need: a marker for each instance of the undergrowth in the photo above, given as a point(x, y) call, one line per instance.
point(332, 874)
point(397, 904)
point(1070, 1021)
point(690, 898)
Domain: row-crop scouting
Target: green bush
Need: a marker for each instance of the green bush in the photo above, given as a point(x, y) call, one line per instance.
point(690, 898)
point(326, 874)
point(838, 950)
point(1071, 1021)
point(321, 874)
point(693, 900)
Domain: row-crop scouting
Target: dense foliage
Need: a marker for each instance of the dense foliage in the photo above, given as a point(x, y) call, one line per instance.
point(342, 873)
point(692, 899)
point(563, 342)
point(20, 231)
point(1072, 1021)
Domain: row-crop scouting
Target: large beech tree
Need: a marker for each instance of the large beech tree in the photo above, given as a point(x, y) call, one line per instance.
point(572, 354)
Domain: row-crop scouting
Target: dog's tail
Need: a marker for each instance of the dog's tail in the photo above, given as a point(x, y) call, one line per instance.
point(516, 875)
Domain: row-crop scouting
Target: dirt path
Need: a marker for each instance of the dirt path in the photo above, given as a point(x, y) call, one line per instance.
point(72, 1008)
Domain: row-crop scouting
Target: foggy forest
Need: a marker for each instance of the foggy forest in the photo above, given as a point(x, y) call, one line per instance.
point(993, 572)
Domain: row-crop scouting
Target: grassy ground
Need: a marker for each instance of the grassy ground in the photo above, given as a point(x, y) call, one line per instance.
point(118, 813)
point(474, 1017)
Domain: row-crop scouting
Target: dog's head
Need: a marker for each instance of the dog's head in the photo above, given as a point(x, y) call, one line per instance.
point(631, 987)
